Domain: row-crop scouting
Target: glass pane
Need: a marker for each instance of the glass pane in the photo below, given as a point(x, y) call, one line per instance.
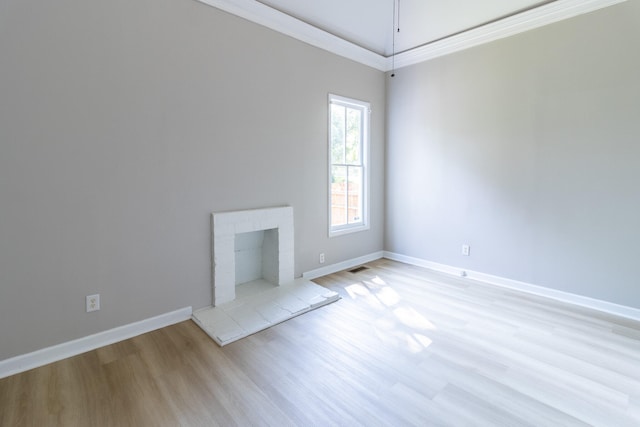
point(353, 136)
point(338, 195)
point(338, 113)
point(355, 195)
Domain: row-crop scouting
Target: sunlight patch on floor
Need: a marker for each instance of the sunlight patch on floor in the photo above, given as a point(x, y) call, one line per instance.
point(356, 290)
point(414, 320)
point(388, 296)
point(402, 326)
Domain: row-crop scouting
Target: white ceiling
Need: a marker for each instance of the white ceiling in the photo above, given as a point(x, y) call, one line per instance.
point(370, 24)
point(365, 31)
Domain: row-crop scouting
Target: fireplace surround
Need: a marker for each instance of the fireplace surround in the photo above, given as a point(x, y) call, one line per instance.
point(253, 282)
point(248, 246)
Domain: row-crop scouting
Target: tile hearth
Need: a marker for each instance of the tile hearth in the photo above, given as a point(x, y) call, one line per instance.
point(264, 306)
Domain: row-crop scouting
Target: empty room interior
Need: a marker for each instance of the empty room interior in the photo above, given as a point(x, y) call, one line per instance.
point(278, 212)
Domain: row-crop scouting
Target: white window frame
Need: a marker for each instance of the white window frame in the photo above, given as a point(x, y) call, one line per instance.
point(366, 110)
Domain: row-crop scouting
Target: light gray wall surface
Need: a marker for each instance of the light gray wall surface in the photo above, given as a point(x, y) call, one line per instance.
point(528, 149)
point(123, 125)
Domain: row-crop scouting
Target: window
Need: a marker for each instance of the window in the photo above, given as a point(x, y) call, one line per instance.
point(348, 175)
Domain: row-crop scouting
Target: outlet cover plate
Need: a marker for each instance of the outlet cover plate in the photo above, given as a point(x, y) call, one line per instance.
point(93, 302)
point(466, 250)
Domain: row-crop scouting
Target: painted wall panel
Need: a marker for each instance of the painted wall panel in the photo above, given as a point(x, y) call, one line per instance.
point(123, 125)
point(527, 149)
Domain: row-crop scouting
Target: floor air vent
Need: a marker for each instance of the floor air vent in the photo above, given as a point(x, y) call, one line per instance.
point(358, 269)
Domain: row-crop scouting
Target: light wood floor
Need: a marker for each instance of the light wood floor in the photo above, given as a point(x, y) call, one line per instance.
point(404, 346)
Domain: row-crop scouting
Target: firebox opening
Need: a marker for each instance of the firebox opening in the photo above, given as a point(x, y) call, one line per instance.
point(256, 256)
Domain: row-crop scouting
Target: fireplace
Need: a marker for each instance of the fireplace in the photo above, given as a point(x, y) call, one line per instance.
point(251, 249)
point(253, 281)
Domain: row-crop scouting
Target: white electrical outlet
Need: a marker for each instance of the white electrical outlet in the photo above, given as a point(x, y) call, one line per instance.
point(466, 250)
point(93, 302)
point(322, 258)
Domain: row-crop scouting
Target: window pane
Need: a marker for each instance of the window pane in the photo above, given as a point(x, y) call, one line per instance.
point(355, 193)
point(338, 195)
point(348, 144)
point(353, 136)
point(338, 113)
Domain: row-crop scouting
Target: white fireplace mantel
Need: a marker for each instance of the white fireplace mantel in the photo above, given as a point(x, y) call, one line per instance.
point(224, 228)
point(253, 275)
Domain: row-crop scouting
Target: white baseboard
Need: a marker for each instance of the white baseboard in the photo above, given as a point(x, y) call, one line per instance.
point(58, 352)
point(334, 268)
point(423, 263)
point(592, 303)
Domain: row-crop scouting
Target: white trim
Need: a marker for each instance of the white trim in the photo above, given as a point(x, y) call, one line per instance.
point(365, 107)
point(347, 229)
point(271, 18)
point(567, 297)
point(67, 349)
point(538, 17)
point(344, 265)
point(442, 268)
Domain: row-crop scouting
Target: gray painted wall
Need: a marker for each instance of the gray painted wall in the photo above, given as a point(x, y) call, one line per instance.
point(123, 125)
point(528, 149)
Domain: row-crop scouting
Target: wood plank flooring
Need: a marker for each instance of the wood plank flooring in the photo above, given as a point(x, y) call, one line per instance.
point(404, 346)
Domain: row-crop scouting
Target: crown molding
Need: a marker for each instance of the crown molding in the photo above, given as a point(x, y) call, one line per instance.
point(534, 18)
point(271, 18)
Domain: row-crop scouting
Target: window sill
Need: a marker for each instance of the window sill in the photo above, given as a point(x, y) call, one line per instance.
point(348, 230)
